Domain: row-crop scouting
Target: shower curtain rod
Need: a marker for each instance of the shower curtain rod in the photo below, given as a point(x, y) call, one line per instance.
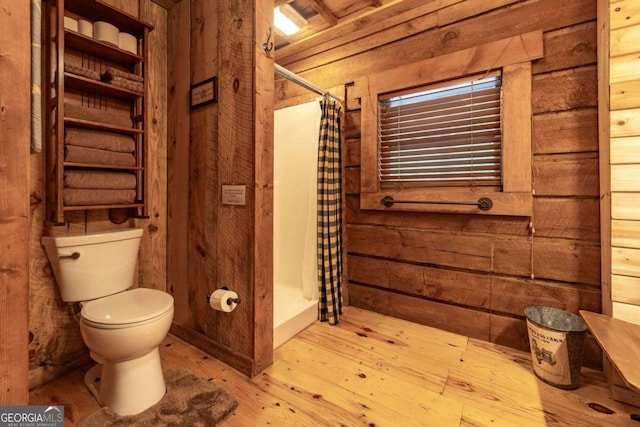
point(283, 72)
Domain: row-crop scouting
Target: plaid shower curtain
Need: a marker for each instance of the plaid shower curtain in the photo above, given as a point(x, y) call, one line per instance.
point(330, 213)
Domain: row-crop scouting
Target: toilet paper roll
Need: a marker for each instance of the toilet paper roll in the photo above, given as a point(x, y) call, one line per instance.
point(105, 32)
point(223, 300)
point(70, 23)
point(85, 27)
point(128, 42)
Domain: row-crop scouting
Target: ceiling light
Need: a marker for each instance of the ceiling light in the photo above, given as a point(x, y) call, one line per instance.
point(287, 20)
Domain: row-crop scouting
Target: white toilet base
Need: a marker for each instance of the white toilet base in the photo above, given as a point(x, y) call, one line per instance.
point(128, 387)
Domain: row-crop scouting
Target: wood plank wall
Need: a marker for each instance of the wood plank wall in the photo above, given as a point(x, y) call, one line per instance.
point(55, 344)
point(470, 274)
point(624, 119)
point(15, 132)
point(228, 142)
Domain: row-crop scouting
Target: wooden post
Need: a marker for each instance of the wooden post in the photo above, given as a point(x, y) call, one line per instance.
point(604, 154)
point(14, 201)
point(263, 208)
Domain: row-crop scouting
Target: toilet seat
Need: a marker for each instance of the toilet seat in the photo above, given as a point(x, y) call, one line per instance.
point(128, 308)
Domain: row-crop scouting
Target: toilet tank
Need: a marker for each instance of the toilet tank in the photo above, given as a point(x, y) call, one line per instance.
point(93, 265)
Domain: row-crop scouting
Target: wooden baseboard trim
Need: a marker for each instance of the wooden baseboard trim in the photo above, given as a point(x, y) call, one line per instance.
point(241, 363)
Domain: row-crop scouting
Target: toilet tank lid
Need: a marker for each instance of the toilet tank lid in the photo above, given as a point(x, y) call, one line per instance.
point(91, 238)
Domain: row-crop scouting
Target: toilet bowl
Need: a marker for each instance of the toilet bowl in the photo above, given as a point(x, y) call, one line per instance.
point(122, 327)
point(123, 332)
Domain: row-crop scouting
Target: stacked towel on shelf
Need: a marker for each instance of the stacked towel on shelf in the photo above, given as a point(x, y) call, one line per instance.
point(127, 84)
point(93, 196)
point(98, 147)
point(114, 72)
point(84, 187)
point(98, 187)
point(89, 179)
point(81, 71)
point(102, 140)
point(112, 117)
point(123, 79)
point(77, 154)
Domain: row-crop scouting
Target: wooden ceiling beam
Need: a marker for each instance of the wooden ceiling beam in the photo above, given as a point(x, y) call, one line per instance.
point(324, 11)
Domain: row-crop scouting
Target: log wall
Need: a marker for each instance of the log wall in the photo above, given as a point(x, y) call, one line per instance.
point(466, 273)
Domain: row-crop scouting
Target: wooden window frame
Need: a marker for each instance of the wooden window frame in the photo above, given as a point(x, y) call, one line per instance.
point(513, 55)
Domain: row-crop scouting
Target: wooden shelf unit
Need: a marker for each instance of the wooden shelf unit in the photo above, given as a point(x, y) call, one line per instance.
point(73, 81)
point(97, 48)
point(65, 86)
point(101, 126)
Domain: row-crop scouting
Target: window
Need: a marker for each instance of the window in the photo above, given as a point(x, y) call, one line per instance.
point(447, 133)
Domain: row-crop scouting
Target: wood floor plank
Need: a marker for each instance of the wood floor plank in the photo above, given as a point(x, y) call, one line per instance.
point(420, 336)
point(499, 386)
point(334, 404)
point(373, 388)
point(255, 405)
point(378, 326)
point(500, 382)
point(70, 391)
point(389, 358)
point(490, 414)
point(374, 370)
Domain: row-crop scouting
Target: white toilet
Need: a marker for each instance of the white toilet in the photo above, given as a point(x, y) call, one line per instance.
point(122, 328)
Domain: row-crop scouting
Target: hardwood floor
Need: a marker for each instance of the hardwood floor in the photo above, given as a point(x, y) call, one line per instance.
point(373, 370)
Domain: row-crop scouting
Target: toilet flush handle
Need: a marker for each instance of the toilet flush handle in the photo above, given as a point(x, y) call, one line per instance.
point(74, 255)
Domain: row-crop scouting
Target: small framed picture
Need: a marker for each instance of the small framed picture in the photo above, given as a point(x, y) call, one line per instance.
point(204, 92)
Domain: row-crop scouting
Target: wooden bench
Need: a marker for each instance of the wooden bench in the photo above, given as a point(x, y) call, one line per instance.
point(620, 342)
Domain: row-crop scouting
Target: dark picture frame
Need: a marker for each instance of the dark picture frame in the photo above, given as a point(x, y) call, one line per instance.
point(204, 92)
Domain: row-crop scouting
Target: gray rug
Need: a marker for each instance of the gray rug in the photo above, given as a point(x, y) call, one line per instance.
point(189, 401)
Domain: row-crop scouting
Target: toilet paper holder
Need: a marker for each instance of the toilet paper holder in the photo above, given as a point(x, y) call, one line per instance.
point(229, 301)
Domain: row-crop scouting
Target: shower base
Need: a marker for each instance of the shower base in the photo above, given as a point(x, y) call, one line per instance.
point(291, 313)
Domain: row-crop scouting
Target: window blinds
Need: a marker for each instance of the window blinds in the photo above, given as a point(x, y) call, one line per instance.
point(444, 136)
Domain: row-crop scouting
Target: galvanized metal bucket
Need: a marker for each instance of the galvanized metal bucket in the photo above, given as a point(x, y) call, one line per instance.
point(556, 339)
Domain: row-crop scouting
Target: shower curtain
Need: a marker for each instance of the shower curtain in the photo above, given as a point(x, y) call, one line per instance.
point(330, 213)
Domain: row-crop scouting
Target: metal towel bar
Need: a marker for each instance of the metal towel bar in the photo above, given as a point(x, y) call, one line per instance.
point(484, 203)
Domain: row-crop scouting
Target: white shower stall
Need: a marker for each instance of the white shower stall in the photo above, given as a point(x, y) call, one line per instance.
point(295, 293)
